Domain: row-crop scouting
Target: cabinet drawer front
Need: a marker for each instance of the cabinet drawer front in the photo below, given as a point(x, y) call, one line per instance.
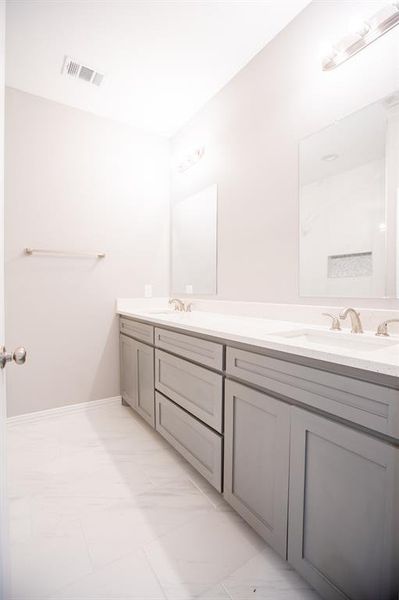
point(140, 331)
point(342, 533)
point(367, 404)
point(195, 388)
point(201, 351)
point(199, 445)
point(256, 461)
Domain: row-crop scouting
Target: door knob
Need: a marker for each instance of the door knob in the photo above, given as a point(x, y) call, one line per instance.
point(18, 356)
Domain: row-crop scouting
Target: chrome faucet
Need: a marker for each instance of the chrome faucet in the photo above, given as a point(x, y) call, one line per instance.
point(178, 304)
point(355, 319)
point(382, 329)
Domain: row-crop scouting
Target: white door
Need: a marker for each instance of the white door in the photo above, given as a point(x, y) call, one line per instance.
point(3, 519)
point(19, 355)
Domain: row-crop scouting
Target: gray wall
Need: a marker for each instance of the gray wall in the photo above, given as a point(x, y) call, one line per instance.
point(251, 130)
point(76, 181)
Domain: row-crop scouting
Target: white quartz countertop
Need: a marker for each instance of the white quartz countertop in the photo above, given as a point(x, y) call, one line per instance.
point(342, 348)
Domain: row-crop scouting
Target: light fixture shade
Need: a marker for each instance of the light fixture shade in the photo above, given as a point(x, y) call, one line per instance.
point(382, 17)
point(191, 159)
point(369, 31)
point(349, 41)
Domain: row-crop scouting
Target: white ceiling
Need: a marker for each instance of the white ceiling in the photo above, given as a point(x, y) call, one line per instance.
point(162, 59)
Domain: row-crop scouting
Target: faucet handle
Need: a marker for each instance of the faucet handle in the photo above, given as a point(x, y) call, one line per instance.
point(382, 329)
point(335, 323)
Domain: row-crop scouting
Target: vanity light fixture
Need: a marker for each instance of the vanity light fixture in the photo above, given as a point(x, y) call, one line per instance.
point(191, 159)
point(369, 31)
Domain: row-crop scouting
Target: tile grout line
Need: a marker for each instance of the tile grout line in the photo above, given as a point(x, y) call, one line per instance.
point(154, 572)
point(227, 591)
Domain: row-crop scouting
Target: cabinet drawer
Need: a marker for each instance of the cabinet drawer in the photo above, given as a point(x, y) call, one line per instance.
point(197, 443)
point(195, 388)
point(367, 404)
point(201, 351)
point(140, 331)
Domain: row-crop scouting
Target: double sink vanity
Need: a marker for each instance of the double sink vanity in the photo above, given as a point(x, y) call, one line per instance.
point(296, 425)
point(291, 415)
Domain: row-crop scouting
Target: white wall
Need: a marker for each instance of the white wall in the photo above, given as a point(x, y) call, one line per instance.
point(76, 181)
point(251, 131)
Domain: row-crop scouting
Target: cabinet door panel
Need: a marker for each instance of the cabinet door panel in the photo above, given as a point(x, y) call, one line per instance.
point(145, 405)
point(128, 367)
point(342, 523)
point(257, 461)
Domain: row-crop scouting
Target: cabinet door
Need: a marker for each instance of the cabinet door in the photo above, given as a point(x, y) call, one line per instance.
point(342, 517)
point(137, 377)
point(128, 367)
point(256, 461)
point(145, 401)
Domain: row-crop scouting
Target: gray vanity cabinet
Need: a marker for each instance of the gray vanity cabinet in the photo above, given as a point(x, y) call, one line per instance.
point(137, 377)
point(343, 523)
point(257, 439)
point(322, 493)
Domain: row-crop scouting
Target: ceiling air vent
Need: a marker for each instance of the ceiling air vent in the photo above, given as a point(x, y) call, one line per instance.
point(75, 69)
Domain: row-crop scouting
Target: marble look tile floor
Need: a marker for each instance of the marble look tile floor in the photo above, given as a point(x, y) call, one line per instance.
point(101, 508)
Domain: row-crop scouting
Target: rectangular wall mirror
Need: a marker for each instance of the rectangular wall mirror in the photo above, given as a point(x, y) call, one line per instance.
point(194, 243)
point(349, 205)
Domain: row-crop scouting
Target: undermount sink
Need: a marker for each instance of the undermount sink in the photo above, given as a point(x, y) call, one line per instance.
point(161, 312)
point(338, 339)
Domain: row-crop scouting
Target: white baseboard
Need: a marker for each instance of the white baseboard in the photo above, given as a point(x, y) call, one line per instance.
point(62, 410)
